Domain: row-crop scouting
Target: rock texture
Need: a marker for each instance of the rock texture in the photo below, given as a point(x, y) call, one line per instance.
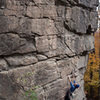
point(41, 43)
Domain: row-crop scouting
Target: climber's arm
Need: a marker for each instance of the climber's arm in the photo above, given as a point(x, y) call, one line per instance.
point(71, 84)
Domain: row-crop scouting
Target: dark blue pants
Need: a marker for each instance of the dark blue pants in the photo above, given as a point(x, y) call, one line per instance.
point(68, 94)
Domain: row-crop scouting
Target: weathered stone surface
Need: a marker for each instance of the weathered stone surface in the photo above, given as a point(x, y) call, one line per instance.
point(52, 46)
point(14, 10)
point(34, 12)
point(82, 62)
point(14, 24)
point(8, 23)
point(91, 3)
point(82, 21)
point(40, 73)
point(9, 83)
point(47, 11)
point(12, 43)
point(41, 57)
point(46, 43)
point(70, 44)
point(44, 1)
point(46, 72)
point(41, 43)
point(65, 67)
point(79, 44)
point(24, 26)
point(83, 3)
point(3, 65)
point(21, 60)
point(44, 27)
point(10, 3)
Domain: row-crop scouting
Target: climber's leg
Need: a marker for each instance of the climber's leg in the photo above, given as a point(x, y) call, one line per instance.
point(68, 93)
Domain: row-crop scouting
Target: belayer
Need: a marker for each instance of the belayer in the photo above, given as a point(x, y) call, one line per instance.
point(73, 87)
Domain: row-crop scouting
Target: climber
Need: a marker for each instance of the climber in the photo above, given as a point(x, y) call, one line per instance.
point(73, 87)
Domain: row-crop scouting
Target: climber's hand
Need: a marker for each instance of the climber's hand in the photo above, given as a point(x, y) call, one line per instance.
point(69, 79)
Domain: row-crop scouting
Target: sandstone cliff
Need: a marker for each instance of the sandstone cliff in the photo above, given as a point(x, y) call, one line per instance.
point(41, 43)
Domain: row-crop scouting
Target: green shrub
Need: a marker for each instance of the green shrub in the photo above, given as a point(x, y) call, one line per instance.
point(31, 95)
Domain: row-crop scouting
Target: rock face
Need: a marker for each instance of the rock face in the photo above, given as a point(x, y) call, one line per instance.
point(41, 43)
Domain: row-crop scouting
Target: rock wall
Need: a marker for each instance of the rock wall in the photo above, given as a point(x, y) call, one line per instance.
point(41, 43)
